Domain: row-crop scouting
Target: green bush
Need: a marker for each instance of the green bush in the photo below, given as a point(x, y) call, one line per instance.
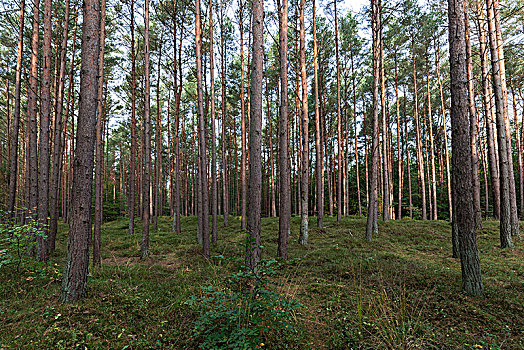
point(244, 312)
point(16, 239)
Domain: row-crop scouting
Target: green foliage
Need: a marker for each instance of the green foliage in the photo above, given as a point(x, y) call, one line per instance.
point(16, 238)
point(245, 311)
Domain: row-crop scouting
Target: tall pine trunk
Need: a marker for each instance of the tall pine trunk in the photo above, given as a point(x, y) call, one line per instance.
point(504, 162)
point(319, 158)
point(43, 140)
point(420, 156)
point(74, 283)
point(304, 195)
point(255, 136)
point(132, 160)
point(372, 224)
point(13, 157)
point(57, 138)
point(203, 188)
point(146, 180)
point(461, 158)
point(99, 164)
point(473, 126)
point(225, 188)
point(242, 122)
point(285, 190)
point(214, 194)
point(339, 122)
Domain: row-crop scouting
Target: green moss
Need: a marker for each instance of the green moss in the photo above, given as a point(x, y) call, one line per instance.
point(351, 289)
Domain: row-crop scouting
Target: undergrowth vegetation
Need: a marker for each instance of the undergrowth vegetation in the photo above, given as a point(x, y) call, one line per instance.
point(401, 291)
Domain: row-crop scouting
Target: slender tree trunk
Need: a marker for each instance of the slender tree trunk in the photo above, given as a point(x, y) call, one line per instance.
point(70, 102)
point(272, 196)
point(484, 156)
point(386, 202)
point(146, 181)
point(43, 140)
point(477, 207)
point(57, 136)
point(399, 144)
point(465, 219)
point(434, 213)
point(420, 156)
point(444, 128)
point(99, 164)
point(519, 148)
point(304, 230)
point(132, 165)
point(158, 148)
point(504, 162)
point(177, 211)
point(13, 157)
point(372, 225)
point(214, 194)
point(285, 190)
point(408, 164)
point(203, 190)
point(243, 122)
point(225, 189)
point(505, 200)
point(357, 161)
point(515, 230)
point(339, 122)
point(255, 136)
point(318, 131)
point(488, 113)
point(74, 283)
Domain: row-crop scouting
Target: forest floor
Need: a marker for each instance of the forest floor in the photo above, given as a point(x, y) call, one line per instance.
point(402, 290)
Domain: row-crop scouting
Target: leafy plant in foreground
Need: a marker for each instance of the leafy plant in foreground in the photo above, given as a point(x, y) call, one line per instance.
point(16, 238)
point(245, 311)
